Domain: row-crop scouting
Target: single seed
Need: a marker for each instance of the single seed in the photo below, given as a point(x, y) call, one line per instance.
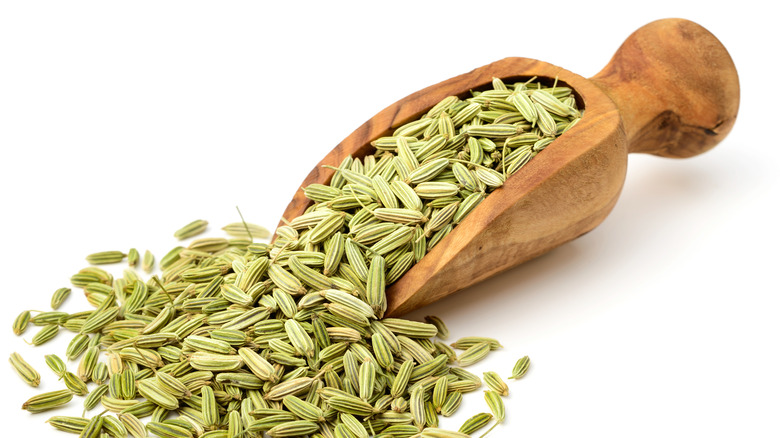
point(166, 430)
point(94, 397)
point(442, 330)
point(55, 364)
point(191, 229)
point(440, 392)
point(45, 334)
point(106, 257)
point(242, 229)
point(432, 432)
point(153, 392)
point(47, 400)
point(88, 363)
point(452, 403)
point(133, 425)
point(59, 297)
point(293, 429)
point(132, 257)
point(303, 409)
point(474, 354)
point(25, 370)
point(68, 424)
point(469, 341)
point(496, 405)
point(100, 373)
point(74, 384)
point(147, 264)
point(114, 427)
point(92, 429)
point(475, 423)
point(21, 322)
point(520, 368)
point(494, 382)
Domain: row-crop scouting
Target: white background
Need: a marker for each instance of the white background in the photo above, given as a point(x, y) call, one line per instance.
point(121, 121)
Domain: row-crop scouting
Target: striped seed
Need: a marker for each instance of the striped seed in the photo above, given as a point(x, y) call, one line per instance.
point(441, 218)
point(209, 409)
point(307, 275)
point(406, 195)
point(441, 328)
point(172, 385)
point(544, 120)
point(114, 427)
point(191, 229)
point(350, 404)
point(394, 240)
point(47, 400)
point(417, 407)
point(293, 429)
point(375, 286)
point(410, 328)
point(21, 322)
point(215, 362)
point(496, 405)
point(240, 380)
point(92, 428)
point(552, 104)
point(289, 387)
point(147, 263)
point(88, 363)
point(475, 423)
point(133, 425)
point(105, 257)
point(93, 398)
point(433, 432)
point(68, 424)
point(401, 379)
point(152, 391)
point(46, 334)
point(366, 379)
point(55, 364)
point(59, 297)
point(74, 384)
point(285, 280)
point(303, 409)
point(452, 403)
point(299, 338)
point(469, 341)
point(327, 227)
point(46, 318)
point(165, 430)
point(247, 230)
point(400, 215)
point(474, 354)
point(333, 254)
point(432, 190)
point(494, 382)
point(24, 370)
point(76, 346)
point(520, 368)
point(100, 373)
point(133, 257)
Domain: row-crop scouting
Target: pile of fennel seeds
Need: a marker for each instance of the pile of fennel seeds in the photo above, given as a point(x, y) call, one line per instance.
point(240, 338)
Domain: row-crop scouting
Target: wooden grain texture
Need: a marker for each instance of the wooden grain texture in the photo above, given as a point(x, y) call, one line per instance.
point(570, 188)
point(676, 86)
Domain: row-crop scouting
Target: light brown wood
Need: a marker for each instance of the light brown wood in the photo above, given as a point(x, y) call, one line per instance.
point(671, 89)
point(676, 87)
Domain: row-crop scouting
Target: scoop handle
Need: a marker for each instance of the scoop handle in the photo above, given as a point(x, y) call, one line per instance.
point(675, 86)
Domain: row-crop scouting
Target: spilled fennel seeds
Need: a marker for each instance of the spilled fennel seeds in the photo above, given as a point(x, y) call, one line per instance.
point(241, 338)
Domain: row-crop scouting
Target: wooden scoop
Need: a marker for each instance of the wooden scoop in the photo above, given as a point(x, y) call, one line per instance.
point(670, 90)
